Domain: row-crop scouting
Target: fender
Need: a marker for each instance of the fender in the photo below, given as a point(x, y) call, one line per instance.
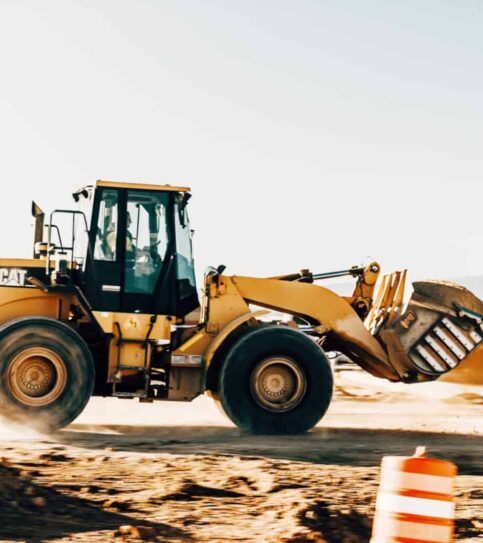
point(227, 330)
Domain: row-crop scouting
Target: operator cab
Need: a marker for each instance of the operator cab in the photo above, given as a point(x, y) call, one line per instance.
point(139, 256)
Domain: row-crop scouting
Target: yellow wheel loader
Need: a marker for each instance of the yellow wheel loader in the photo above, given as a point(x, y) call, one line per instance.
point(108, 306)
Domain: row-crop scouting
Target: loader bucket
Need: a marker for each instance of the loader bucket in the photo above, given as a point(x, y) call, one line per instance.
point(432, 333)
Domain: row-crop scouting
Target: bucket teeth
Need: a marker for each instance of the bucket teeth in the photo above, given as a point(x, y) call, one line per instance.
point(444, 346)
point(429, 358)
point(460, 335)
point(430, 333)
point(452, 346)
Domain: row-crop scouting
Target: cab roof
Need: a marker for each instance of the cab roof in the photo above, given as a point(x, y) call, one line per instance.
point(141, 186)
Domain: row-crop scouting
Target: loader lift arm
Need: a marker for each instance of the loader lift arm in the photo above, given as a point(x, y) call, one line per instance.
point(337, 319)
point(414, 341)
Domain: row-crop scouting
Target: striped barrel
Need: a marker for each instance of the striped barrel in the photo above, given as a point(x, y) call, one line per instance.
point(415, 500)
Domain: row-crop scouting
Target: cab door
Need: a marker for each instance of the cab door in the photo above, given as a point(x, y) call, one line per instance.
point(148, 271)
point(102, 283)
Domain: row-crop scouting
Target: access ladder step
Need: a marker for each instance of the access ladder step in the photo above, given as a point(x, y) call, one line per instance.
point(137, 394)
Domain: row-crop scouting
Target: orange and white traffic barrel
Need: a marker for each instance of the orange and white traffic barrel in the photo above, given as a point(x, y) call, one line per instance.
point(415, 501)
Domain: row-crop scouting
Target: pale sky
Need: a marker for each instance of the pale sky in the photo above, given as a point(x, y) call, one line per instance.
point(314, 134)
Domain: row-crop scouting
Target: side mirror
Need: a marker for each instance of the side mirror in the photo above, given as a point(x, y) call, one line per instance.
point(77, 195)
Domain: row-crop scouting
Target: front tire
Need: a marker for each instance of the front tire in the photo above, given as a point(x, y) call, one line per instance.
point(46, 373)
point(275, 380)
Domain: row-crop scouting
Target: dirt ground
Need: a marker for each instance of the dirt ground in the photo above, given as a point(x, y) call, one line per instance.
point(128, 472)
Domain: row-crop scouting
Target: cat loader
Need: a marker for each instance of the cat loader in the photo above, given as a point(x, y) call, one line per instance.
point(108, 306)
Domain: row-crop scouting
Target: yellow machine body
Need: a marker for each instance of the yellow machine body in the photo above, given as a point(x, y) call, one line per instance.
point(120, 319)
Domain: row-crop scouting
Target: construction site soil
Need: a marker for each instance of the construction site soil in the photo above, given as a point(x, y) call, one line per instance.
point(128, 472)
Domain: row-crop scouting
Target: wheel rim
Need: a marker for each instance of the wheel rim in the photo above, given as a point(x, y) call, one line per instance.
point(278, 384)
point(37, 376)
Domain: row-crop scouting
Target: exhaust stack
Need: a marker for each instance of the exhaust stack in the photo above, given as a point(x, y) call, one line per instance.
point(39, 215)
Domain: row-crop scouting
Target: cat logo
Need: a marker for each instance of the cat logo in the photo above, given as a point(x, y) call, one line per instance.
point(12, 277)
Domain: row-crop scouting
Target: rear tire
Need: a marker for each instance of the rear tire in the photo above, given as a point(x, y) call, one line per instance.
point(275, 380)
point(46, 373)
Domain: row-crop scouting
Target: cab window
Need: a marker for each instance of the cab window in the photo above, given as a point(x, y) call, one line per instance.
point(184, 256)
point(106, 234)
point(146, 240)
